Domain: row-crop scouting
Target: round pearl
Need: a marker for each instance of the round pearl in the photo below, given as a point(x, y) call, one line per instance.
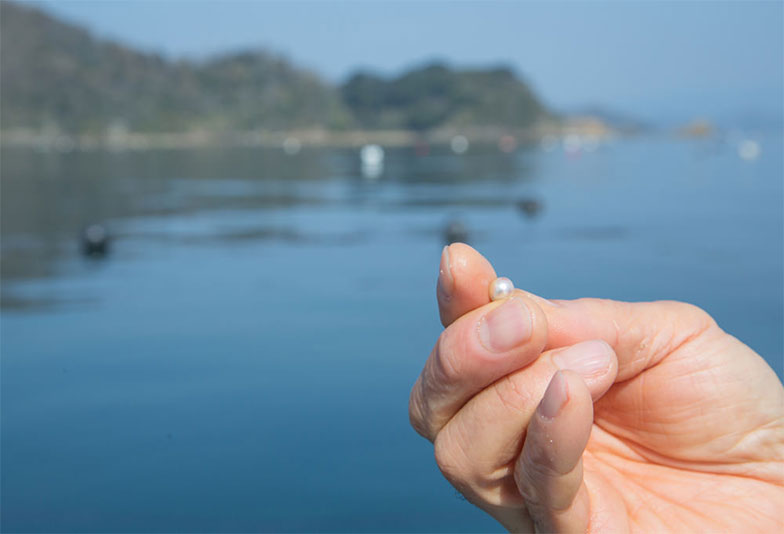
point(500, 288)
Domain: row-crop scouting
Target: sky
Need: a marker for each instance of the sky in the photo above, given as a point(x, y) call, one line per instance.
point(662, 62)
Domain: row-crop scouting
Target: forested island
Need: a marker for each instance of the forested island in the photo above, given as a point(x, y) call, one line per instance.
point(56, 79)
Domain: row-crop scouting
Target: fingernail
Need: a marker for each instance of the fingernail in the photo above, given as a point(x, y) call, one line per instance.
point(445, 281)
point(555, 397)
point(506, 326)
point(589, 358)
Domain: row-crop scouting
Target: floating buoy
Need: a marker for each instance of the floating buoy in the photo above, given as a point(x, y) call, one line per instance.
point(749, 150)
point(455, 231)
point(95, 241)
point(292, 146)
point(530, 206)
point(459, 144)
point(372, 158)
point(372, 155)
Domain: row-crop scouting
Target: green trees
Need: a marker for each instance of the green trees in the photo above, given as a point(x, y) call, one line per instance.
point(435, 96)
point(57, 76)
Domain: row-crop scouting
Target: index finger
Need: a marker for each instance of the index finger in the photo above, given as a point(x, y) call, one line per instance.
point(463, 280)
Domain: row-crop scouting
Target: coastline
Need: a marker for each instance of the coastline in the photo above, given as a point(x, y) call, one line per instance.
point(51, 139)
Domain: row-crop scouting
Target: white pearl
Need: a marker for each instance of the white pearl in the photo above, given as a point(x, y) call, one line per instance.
point(500, 288)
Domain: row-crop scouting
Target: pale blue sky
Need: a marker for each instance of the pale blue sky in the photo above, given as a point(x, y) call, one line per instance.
point(662, 61)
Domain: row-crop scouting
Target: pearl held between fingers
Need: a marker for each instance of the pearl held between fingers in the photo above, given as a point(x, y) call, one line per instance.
point(500, 288)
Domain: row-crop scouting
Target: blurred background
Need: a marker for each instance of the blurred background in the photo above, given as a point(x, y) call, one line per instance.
point(222, 221)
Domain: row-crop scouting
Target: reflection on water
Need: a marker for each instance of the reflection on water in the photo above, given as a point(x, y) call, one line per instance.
point(240, 360)
point(49, 198)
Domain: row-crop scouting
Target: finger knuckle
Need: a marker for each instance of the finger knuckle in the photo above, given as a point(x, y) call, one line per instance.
point(511, 395)
point(444, 452)
point(447, 368)
point(694, 315)
point(532, 474)
point(684, 323)
point(542, 485)
point(524, 485)
point(417, 409)
point(452, 455)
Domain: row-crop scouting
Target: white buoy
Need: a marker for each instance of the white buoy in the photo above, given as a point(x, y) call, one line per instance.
point(459, 144)
point(749, 150)
point(372, 158)
point(292, 146)
point(372, 155)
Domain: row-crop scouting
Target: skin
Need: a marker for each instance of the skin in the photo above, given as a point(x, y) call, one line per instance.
point(679, 427)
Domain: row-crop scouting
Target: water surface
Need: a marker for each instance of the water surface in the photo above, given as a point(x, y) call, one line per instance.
point(241, 360)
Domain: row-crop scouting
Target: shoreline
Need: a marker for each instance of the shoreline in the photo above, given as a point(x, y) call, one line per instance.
point(292, 141)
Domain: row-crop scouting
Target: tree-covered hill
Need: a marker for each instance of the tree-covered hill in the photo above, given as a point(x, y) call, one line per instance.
point(57, 76)
point(53, 73)
point(437, 96)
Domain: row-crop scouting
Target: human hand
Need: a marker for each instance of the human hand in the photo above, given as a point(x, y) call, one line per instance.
point(599, 416)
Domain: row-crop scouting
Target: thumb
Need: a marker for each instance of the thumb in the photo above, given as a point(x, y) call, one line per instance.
point(641, 334)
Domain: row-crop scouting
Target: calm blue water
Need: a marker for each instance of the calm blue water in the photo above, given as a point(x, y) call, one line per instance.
point(241, 361)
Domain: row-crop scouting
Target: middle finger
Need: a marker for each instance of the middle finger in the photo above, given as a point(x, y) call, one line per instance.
point(477, 448)
point(472, 353)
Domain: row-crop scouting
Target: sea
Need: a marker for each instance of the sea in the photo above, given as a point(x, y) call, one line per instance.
point(240, 357)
